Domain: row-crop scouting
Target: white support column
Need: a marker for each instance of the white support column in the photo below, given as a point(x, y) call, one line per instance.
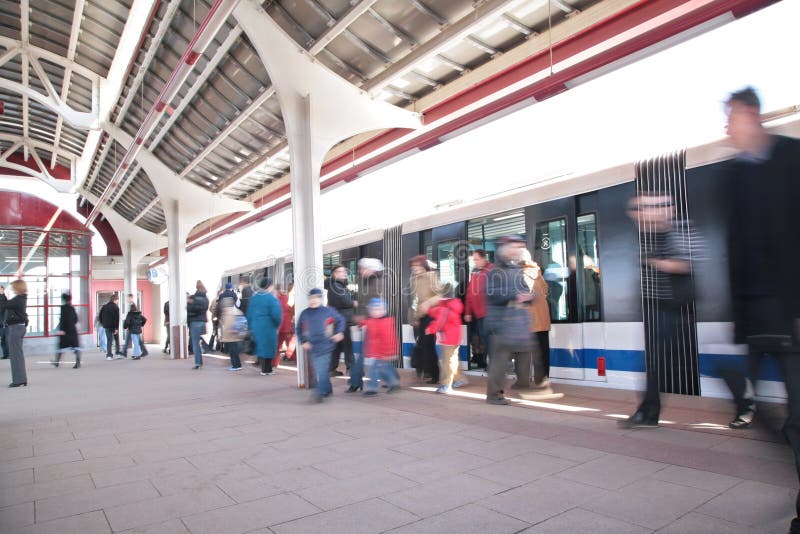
point(177, 233)
point(130, 261)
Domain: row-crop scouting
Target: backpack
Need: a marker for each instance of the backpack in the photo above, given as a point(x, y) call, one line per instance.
point(239, 326)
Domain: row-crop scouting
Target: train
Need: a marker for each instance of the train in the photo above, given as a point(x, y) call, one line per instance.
point(589, 249)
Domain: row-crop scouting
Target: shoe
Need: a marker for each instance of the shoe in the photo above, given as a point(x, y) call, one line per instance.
point(268, 374)
point(639, 420)
point(77, 365)
point(432, 381)
point(517, 385)
point(353, 389)
point(743, 420)
point(337, 373)
point(316, 399)
point(144, 354)
point(460, 383)
point(234, 368)
point(442, 390)
point(13, 385)
point(196, 367)
point(165, 351)
point(544, 384)
point(119, 357)
point(55, 363)
point(120, 354)
point(136, 357)
point(370, 393)
point(393, 389)
point(499, 401)
point(109, 358)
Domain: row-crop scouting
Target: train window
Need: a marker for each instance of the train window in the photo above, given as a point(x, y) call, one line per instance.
point(588, 252)
point(328, 261)
point(483, 233)
point(550, 252)
point(448, 263)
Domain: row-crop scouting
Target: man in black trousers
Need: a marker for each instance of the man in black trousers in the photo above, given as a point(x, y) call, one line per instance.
point(763, 182)
point(109, 319)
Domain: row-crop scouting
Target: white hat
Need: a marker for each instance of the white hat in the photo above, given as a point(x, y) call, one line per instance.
point(370, 264)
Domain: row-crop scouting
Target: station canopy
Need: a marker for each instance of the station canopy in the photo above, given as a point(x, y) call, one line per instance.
point(67, 67)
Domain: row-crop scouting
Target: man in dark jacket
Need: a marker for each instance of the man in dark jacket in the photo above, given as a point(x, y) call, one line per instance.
point(475, 305)
point(166, 324)
point(196, 310)
point(505, 286)
point(339, 299)
point(142, 347)
point(764, 189)
point(109, 319)
point(247, 294)
point(3, 342)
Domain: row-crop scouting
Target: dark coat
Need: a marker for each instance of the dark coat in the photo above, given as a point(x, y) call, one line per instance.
point(340, 299)
point(244, 301)
point(69, 325)
point(109, 315)
point(134, 322)
point(221, 300)
point(762, 242)
point(264, 316)
point(3, 301)
point(196, 309)
point(15, 310)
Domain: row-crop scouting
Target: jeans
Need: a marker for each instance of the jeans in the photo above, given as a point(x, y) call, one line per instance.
point(233, 348)
point(102, 340)
point(346, 346)
point(383, 369)
point(166, 345)
point(111, 334)
point(128, 342)
point(15, 333)
point(322, 373)
point(3, 340)
point(135, 340)
point(196, 330)
point(478, 328)
point(357, 371)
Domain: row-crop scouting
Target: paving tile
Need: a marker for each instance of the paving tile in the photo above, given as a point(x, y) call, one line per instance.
point(271, 460)
point(504, 448)
point(696, 478)
point(361, 446)
point(439, 467)
point(759, 505)
point(40, 461)
point(438, 445)
point(299, 478)
point(94, 499)
point(343, 492)
point(367, 517)
point(91, 523)
point(675, 436)
point(452, 492)
point(171, 485)
point(522, 469)
point(42, 490)
point(249, 489)
point(312, 440)
point(650, 503)
point(14, 453)
point(612, 471)
point(483, 434)
point(75, 444)
point(366, 462)
point(579, 520)
point(473, 519)
point(167, 468)
point(173, 526)
point(143, 513)
point(694, 523)
point(71, 469)
point(758, 449)
point(17, 478)
point(542, 499)
point(250, 516)
point(16, 516)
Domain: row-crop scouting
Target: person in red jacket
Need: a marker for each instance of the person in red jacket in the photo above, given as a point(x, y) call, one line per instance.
point(475, 309)
point(446, 324)
point(380, 347)
point(286, 328)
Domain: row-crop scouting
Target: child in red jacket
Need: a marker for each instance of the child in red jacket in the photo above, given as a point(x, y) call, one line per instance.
point(446, 325)
point(380, 348)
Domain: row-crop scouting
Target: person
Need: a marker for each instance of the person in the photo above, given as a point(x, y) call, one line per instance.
point(371, 279)
point(109, 318)
point(286, 336)
point(3, 341)
point(16, 324)
point(340, 299)
point(475, 307)
point(68, 332)
point(166, 325)
point(380, 347)
point(666, 287)
point(763, 189)
point(247, 293)
point(214, 343)
point(426, 291)
point(508, 318)
point(134, 322)
point(233, 327)
point(196, 316)
point(264, 317)
point(319, 328)
point(142, 347)
point(446, 325)
point(540, 330)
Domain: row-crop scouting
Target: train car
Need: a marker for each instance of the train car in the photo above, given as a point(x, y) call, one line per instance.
point(577, 229)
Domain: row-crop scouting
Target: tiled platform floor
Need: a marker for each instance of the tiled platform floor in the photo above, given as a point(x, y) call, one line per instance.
point(152, 446)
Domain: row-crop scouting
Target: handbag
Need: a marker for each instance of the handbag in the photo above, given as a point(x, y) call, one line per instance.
point(511, 326)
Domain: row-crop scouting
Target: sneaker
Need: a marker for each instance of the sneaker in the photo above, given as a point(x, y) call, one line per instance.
point(136, 358)
point(460, 383)
point(268, 374)
point(234, 368)
point(639, 420)
point(442, 390)
point(744, 419)
point(196, 367)
point(393, 389)
point(337, 373)
point(370, 393)
point(517, 385)
point(499, 401)
point(544, 384)
point(109, 358)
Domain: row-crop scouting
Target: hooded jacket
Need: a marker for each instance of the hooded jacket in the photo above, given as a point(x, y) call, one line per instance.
point(197, 308)
point(109, 315)
point(339, 298)
point(476, 292)
point(446, 321)
point(134, 322)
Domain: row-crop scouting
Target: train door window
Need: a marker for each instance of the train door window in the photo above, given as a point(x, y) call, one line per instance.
point(483, 233)
point(550, 251)
point(427, 244)
point(448, 263)
point(589, 260)
point(328, 261)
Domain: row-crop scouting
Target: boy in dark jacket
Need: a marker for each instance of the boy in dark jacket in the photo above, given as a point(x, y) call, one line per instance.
point(380, 347)
point(319, 328)
point(68, 331)
point(134, 322)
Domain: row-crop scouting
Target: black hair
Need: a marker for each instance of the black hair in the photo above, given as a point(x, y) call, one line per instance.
point(265, 282)
point(747, 97)
point(480, 252)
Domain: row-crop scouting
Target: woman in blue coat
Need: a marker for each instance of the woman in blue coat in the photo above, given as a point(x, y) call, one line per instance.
point(264, 315)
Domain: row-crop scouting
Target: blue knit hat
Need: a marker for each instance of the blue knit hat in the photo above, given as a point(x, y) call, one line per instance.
point(315, 291)
point(376, 302)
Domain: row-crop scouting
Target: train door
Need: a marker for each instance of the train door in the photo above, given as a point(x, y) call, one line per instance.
point(450, 251)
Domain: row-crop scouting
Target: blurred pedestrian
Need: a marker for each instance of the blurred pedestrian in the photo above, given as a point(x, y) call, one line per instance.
point(68, 332)
point(380, 348)
point(475, 307)
point(3, 341)
point(109, 318)
point(340, 299)
point(233, 328)
point(16, 324)
point(540, 330)
point(426, 290)
point(263, 318)
point(446, 326)
point(197, 317)
point(319, 328)
point(166, 326)
point(286, 337)
point(134, 323)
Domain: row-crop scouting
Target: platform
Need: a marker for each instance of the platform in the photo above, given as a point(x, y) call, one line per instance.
point(153, 446)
